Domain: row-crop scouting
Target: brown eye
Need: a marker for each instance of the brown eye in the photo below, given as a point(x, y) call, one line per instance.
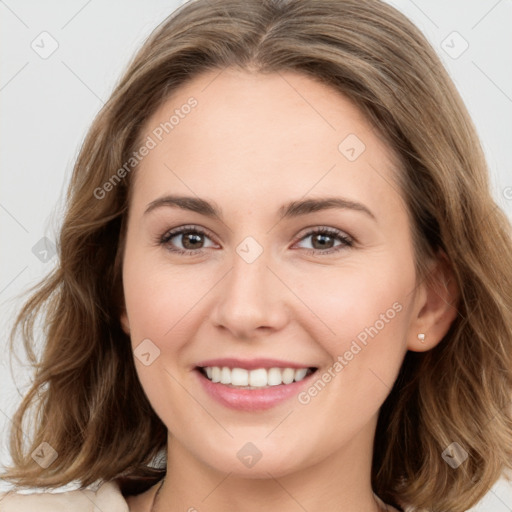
point(322, 241)
point(191, 240)
point(185, 240)
point(327, 240)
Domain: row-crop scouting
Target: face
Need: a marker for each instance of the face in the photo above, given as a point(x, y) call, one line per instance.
point(267, 284)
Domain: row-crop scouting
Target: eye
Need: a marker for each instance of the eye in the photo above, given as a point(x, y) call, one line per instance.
point(185, 240)
point(191, 240)
point(323, 240)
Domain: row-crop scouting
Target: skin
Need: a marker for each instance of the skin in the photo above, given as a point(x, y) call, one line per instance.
point(253, 143)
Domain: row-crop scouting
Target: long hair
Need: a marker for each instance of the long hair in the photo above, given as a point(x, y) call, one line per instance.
point(86, 401)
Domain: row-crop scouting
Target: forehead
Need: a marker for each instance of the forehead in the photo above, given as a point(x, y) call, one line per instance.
point(264, 135)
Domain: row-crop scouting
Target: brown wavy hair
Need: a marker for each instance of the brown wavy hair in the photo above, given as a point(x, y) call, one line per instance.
point(86, 400)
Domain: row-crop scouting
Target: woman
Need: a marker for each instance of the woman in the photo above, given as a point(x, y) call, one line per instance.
point(283, 280)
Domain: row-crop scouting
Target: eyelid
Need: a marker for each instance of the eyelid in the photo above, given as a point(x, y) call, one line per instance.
point(186, 228)
point(318, 228)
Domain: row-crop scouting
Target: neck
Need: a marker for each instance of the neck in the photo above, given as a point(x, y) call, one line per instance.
point(340, 483)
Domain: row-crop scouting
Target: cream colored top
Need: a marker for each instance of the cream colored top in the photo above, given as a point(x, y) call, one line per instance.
point(107, 498)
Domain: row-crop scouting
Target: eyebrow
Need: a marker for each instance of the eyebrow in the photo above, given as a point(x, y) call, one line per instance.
point(289, 210)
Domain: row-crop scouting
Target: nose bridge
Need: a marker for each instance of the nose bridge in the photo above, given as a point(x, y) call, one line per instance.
point(250, 297)
point(250, 269)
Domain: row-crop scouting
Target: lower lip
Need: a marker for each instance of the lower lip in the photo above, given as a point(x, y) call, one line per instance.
point(252, 399)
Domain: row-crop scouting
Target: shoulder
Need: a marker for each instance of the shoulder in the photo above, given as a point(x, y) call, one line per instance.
point(107, 497)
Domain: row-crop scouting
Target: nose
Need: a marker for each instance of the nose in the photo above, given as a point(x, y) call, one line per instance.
point(251, 300)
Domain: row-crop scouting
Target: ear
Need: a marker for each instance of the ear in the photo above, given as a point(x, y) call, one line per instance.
point(125, 324)
point(436, 306)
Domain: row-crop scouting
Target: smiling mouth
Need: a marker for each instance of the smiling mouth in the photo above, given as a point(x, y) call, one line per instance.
point(259, 378)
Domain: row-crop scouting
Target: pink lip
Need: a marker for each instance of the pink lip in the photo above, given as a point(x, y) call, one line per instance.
point(251, 399)
point(251, 364)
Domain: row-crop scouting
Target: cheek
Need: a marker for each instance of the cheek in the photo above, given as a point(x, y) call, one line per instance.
point(360, 312)
point(157, 297)
point(159, 301)
point(367, 308)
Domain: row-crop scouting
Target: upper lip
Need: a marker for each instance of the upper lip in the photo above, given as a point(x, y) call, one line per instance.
point(252, 364)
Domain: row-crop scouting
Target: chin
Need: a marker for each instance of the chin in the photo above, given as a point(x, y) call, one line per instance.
point(268, 462)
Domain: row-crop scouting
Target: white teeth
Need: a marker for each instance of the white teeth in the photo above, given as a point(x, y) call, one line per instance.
point(215, 373)
point(259, 378)
point(300, 374)
point(225, 375)
point(274, 377)
point(288, 375)
point(239, 377)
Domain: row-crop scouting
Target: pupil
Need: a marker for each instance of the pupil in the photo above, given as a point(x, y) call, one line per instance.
point(322, 240)
point(188, 239)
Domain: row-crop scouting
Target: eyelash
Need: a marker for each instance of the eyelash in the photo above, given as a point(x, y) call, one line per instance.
point(169, 235)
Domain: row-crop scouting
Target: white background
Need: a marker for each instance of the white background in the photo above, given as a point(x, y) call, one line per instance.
point(48, 104)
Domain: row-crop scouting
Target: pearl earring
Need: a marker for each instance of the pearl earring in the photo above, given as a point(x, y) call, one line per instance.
point(421, 337)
